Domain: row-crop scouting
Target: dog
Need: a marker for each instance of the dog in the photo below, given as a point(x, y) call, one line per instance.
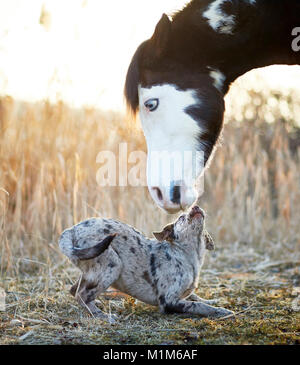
point(162, 272)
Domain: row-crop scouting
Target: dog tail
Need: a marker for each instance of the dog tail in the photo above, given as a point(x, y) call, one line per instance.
point(66, 244)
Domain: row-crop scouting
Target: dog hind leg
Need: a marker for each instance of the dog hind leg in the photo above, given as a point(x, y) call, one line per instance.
point(94, 283)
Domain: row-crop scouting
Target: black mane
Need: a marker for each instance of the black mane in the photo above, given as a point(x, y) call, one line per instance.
point(132, 81)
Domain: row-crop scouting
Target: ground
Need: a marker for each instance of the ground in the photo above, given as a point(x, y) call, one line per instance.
point(266, 300)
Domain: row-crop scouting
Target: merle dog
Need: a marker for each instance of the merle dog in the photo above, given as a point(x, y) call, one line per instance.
point(162, 272)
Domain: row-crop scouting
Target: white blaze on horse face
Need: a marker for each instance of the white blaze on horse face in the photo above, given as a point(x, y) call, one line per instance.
point(173, 162)
point(219, 21)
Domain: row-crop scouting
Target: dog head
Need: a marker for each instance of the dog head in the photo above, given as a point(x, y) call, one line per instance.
point(187, 228)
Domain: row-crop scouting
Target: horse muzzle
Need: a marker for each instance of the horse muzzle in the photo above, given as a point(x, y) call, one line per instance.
point(173, 198)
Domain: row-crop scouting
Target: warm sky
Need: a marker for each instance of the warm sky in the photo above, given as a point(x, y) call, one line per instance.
point(83, 52)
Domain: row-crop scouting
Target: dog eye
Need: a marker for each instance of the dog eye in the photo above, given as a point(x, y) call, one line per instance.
point(152, 104)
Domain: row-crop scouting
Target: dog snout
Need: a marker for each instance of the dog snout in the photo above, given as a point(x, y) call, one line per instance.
point(197, 212)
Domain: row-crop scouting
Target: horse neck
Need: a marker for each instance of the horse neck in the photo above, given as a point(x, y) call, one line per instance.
point(263, 37)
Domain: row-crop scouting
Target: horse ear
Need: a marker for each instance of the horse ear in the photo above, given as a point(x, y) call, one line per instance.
point(161, 35)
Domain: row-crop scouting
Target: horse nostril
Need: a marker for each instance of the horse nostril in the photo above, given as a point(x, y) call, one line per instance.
point(158, 193)
point(175, 194)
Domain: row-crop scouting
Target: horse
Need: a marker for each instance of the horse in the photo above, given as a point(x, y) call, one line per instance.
point(178, 78)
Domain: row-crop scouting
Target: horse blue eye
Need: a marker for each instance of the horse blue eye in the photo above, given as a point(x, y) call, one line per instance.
point(152, 104)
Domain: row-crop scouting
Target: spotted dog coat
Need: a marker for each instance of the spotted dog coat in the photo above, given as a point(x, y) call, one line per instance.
point(162, 272)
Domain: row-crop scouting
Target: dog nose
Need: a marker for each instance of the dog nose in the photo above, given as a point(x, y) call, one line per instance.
point(197, 211)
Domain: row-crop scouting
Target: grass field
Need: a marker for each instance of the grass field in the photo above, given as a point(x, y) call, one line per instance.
point(252, 193)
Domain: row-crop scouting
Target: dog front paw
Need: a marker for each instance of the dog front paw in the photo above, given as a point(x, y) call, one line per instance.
point(210, 301)
point(221, 312)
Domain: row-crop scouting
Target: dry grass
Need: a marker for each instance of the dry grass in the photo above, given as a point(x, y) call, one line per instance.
point(48, 182)
point(40, 312)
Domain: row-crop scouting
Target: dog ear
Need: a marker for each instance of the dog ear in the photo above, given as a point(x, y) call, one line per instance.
point(209, 242)
point(167, 234)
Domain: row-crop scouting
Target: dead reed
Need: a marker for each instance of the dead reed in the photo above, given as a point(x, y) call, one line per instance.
point(48, 182)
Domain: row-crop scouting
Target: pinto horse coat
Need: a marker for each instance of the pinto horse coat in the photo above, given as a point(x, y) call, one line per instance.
point(177, 80)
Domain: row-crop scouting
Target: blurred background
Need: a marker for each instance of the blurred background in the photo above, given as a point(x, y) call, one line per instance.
point(79, 52)
point(62, 71)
